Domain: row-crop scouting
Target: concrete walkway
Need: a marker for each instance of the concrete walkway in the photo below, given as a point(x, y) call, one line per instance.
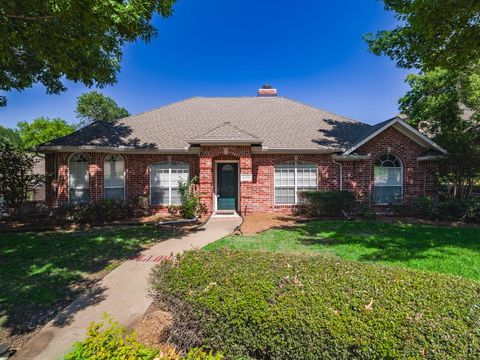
point(123, 293)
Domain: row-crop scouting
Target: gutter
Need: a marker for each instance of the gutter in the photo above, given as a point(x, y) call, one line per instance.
point(341, 172)
point(431, 158)
point(351, 157)
point(122, 149)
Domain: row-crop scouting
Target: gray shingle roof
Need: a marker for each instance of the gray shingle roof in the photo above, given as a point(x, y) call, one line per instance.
point(277, 122)
point(225, 132)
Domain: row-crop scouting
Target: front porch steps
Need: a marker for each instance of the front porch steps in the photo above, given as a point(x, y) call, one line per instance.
point(225, 214)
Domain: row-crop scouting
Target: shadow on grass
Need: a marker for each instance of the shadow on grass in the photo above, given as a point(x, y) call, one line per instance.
point(40, 273)
point(389, 242)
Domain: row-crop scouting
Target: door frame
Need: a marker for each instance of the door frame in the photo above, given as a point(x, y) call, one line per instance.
point(216, 162)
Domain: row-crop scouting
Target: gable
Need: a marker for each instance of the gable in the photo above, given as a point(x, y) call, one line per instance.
point(401, 127)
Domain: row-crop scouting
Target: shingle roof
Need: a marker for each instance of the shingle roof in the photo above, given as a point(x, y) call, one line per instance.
point(280, 123)
point(225, 132)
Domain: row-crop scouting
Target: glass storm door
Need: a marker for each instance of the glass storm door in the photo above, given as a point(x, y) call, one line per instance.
point(227, 186)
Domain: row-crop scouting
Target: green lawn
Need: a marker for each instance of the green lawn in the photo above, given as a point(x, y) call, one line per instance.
point(441, 249)
point(39, 271)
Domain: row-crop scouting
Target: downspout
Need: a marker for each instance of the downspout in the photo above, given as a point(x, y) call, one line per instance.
point(341, 172)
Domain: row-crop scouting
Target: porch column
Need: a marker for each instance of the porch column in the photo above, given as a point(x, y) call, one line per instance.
point(206, 182)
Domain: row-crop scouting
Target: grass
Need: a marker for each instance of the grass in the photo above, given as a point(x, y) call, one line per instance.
point(434, 248)
point(41, 271)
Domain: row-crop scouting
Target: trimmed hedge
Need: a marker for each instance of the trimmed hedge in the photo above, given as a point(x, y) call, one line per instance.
point(326, 203)
point(283, 306)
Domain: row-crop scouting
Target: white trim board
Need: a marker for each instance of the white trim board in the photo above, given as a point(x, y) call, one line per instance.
point(407, 131)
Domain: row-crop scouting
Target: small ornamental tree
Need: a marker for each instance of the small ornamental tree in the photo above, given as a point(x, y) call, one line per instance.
point(17, 179)
point(190, 201)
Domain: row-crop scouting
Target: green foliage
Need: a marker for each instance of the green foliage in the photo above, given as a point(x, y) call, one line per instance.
point(81, 41)
point(467, 210)
point(17, 179)
point(282, 306)
point(43, 129)
point(433, 104)
point(190, 200)
point(95, 212)
point(94, 106)
point(11, 136)
point(326, 203)
point(107, 340)
point(431, 33)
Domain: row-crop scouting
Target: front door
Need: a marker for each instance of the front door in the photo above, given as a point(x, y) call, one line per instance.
point(227, 186)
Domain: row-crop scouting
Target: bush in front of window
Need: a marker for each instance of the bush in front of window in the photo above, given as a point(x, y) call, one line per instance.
point(326, 203)
point(96, 212)
point(190, 204)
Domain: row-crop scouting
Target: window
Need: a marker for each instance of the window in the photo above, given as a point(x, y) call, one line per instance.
point(164, 178)
point(78, 178)
point(388, 180)
point(114, 177)
point(292, 177)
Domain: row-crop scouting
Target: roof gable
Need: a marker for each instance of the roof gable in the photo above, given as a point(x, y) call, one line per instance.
point(404, 128)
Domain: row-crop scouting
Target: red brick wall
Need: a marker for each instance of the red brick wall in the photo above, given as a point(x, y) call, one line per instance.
point(419, 177)
point(258, 195)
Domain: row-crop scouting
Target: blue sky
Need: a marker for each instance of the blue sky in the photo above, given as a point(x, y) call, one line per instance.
point(311, 50)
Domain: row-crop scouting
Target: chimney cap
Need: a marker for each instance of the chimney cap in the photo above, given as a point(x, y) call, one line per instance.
point(267, 91)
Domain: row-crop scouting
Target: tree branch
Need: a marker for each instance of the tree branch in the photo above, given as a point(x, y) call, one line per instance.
point(29, 18)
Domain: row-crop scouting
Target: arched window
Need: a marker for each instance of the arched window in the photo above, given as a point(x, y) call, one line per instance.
point(114, 177)
point(292, 177)
point(164, 179)
point(388, 180)
point(78, 178)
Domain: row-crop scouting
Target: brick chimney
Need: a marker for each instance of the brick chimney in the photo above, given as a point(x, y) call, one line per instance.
point(267, 91)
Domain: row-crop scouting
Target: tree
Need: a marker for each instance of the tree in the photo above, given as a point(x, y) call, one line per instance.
point(436, 104)
point(94, 106)
point(432, 33)
point(82, 41)
point(17, 179)
point(43, 129)
point(11, 136)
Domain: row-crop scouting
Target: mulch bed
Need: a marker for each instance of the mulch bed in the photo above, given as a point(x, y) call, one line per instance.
point(7, 225)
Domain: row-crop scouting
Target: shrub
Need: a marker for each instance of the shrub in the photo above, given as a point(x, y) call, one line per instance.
point(449, 209)
point(96, 212)
point(326, 203)
point(283, 306)
point(107, 340)
point(190, 201)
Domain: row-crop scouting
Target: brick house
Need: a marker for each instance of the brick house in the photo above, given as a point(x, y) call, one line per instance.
point(251, 154)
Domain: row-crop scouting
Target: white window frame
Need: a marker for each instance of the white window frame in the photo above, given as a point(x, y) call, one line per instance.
point(375, 185)
point(167, 165)
point(124, 170)
point(69, 173)
point(295, 164)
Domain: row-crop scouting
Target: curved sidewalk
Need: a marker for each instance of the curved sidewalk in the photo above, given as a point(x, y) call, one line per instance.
point(123, 293)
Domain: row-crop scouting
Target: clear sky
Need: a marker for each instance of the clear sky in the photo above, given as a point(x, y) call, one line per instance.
point(310, 50)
